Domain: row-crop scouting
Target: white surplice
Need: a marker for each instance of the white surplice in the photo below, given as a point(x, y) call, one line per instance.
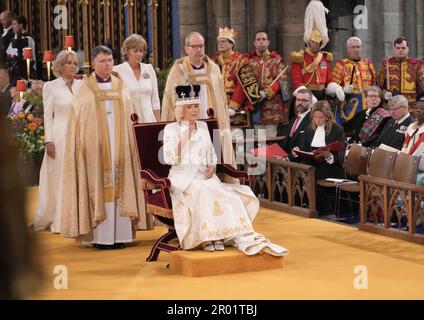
point(209, 210)
point(143, 92)
point(114, 229)
point(57, 100)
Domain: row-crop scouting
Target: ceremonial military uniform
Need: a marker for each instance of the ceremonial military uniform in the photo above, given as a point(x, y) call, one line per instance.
point(404, 77)
point(261, 73)
point(358, 74)
point(229, 66)
point(311, 70)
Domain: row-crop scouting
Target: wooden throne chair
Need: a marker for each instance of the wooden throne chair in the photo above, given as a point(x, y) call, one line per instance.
point(156, 185)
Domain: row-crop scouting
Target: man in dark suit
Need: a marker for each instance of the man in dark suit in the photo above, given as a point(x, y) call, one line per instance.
point(5, 98)
point(393, 133)
point(6, 33)
point(298, 124)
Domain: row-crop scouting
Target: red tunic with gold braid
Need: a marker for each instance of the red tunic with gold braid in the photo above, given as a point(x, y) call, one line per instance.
point(406, 77)
point(229, 66)
point(361, 78)
point(268, 68)
point(310, 70)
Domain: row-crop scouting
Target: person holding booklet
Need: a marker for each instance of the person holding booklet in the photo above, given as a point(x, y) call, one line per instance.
point(320, 136)
point(327, 140)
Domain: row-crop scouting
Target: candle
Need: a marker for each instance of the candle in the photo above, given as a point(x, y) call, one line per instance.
point(21, 87)
point(69, 42)
point(27, 53)
point(48, 58)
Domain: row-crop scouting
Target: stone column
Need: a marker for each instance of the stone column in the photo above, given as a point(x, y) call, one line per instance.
point(274, 24)
point(292, 25)
point(420, 28)
point(238, 21)
point(193, 17)
point(259, 18)
point(393, 25)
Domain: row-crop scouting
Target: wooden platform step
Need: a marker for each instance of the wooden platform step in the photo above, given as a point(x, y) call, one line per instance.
point(198, 263)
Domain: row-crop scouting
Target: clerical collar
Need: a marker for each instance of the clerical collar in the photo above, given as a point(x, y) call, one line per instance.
point(101, 80)
point(201, 67)
point(355, 60)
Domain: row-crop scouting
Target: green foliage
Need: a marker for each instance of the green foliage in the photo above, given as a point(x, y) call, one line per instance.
point(162, 76)
point(28, 127)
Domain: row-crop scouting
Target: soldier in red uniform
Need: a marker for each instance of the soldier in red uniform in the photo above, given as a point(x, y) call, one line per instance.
point(259, 86)
point(310, 67)
point(229, 61)
point(401, 74)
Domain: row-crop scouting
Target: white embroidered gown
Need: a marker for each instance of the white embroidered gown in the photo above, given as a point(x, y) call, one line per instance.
point(209, 210)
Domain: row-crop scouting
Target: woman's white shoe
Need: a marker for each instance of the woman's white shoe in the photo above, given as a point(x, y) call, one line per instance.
point(219, 245)
point(208, 246)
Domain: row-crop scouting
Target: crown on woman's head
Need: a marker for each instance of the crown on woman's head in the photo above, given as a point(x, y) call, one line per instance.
point(187, 94)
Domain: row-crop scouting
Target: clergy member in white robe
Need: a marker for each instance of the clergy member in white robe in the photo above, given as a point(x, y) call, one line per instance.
point(207, 212)
point(140, 79)
point(102, 201)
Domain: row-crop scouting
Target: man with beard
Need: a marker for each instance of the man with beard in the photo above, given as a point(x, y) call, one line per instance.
point(297, 125)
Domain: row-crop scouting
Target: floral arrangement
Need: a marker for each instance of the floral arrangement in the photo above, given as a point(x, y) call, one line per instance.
point(28, 126)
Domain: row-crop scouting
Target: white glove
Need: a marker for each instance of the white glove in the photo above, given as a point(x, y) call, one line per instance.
point(334, 89)
point(348, 89)
point(262, 94)
point(231, 112)
point(388, 95)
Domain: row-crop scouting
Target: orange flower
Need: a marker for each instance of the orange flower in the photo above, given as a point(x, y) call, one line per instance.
point(21, 115)
point(38, 121)
point(32, 127)
point(30, 117)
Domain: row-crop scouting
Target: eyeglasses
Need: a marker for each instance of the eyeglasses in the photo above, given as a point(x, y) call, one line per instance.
point(196, 46)
point(373, 96)
point(303, 100)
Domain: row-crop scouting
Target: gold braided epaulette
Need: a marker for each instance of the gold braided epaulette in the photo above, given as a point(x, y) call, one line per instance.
point(296, 56)
point(329, 55)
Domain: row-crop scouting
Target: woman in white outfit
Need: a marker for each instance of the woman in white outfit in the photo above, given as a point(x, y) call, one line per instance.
point(207, 212)
point(57, 99)
point(140, 79)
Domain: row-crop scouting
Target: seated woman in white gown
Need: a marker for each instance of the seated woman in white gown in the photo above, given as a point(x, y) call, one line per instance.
point(207, 212)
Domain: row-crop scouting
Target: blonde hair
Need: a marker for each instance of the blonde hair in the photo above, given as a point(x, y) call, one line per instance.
point(134, 41)
point(324, 107)
point(61, 60)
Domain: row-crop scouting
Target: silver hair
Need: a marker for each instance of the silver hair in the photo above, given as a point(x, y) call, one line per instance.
point(351, 39)
point(374, 89)
point(188, 38)
point(399, 100)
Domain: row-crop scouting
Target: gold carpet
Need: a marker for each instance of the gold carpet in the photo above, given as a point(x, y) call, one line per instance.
point(321, 265)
